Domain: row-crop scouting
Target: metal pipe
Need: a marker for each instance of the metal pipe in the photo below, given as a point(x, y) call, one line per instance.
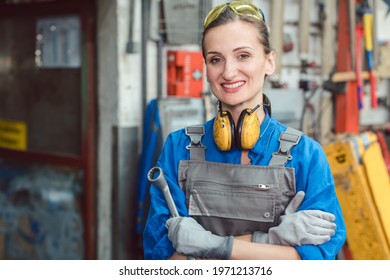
point(276, 25)
point(132, 46)
point(304, 29)
point(145, 8)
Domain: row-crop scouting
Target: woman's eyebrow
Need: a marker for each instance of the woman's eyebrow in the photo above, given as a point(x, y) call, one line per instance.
point(212, 52)
point(234, 50)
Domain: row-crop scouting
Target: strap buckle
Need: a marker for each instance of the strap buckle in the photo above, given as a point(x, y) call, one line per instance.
point(195, 133)
point(287, 140)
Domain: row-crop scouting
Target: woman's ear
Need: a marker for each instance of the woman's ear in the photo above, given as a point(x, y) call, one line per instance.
point(270, 64)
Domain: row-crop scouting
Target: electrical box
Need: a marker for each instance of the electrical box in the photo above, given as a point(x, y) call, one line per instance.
point(185, 73)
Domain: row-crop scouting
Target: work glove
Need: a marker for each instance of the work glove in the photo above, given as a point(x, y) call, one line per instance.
point(191, 239)
point(298, 228)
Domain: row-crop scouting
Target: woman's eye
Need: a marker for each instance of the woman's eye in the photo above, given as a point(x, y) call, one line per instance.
point(215, 60)
point(243, 56)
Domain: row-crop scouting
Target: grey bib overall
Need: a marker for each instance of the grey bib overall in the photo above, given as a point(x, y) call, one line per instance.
point(235, 199)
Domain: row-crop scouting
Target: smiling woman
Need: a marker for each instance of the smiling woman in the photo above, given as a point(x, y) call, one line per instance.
point(243, 183)
point(235, 59)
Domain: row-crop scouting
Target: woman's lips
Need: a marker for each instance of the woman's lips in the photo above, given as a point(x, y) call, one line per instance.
point(232, 86)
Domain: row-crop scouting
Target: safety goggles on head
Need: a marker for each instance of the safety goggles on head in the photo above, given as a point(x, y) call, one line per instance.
point(239, 7)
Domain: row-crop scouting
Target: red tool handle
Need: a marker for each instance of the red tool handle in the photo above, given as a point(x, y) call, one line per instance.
point(358, 64)
point(374, 98)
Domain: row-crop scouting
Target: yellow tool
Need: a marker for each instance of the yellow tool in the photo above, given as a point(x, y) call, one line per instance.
point(363, 189)
point(365, 16)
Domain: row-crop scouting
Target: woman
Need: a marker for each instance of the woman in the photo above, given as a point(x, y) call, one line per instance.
point(238, 187)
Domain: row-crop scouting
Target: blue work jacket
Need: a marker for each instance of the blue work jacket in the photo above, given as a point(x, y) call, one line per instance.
point(312, 174)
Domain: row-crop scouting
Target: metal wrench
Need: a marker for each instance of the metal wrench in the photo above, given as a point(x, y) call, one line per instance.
point(161, 183)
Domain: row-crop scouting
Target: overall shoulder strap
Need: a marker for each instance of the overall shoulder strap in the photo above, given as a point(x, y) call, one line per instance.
point(196, 148)
point(287, 139)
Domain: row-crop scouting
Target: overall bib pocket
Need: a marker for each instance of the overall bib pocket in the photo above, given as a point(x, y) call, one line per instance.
point(252, 203)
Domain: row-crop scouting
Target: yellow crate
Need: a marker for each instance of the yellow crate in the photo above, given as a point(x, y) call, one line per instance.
point(363, 190)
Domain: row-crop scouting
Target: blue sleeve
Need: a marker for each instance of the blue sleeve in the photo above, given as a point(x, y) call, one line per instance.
point(318, 184)
point(156, 242)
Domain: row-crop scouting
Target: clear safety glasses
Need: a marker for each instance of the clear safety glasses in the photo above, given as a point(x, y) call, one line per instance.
point(239, 7)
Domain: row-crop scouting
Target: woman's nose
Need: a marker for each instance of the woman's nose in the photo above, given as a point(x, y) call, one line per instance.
point(229, 71)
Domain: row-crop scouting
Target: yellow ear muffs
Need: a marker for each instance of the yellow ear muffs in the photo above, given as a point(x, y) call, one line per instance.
point(248, 130)
point(223, 131)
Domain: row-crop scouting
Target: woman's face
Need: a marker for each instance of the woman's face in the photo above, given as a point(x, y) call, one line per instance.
point(236, 64)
